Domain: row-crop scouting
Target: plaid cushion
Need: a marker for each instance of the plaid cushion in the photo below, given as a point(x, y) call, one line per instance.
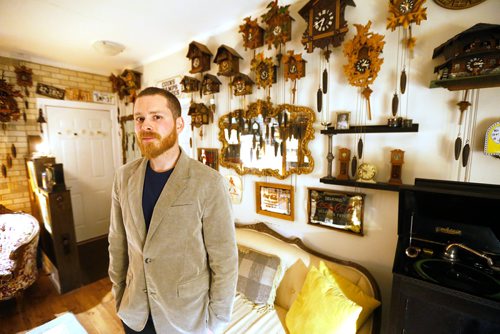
point(258, 275)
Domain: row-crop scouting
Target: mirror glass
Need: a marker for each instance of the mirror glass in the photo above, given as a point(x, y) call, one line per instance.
point(267, 140)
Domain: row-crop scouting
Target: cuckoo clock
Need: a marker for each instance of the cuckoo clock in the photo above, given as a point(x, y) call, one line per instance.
point(279, 25)
point(190, 84)
point(210, 84)
point(326, 24)
point(9, 111)
point(473, 52)
point(294, 66)
point(363, 55)
point(200, 114)
point(200, 56)
point(265, 71)
point(24, 77)
point(242, 84)
point(253, 34)
point(404, 13)
point(126, 84)
point(228, 60)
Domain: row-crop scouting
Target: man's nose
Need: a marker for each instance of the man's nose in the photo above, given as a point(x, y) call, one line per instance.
point(146, 125)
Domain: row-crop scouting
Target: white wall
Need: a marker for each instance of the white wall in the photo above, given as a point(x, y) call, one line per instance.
point(429, 153)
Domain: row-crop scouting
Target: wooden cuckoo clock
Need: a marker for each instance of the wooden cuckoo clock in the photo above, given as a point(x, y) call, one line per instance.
point(228, 60)
point(9, 111)
point(200, 57)
point(363, 55)
point(200, 114)
point(326, 24)
point(190, 84)
point(210, 84)
point(253, 34)
point(279, 25)
point(404, 13)
point(294, 69)
point(242, 84)
point(265, 71)
point(126, 84)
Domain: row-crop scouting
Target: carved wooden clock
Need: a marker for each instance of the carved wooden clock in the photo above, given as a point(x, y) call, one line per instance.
point(326, 24)
point(228, 60)
point(264, 69)
point(200, 56)
point(8, 104)
point(458, 4)
point(364, 61)
point(397, 160)
point(253, 34)
point(294, 69)
point(242, 84)
point(279, 25)
point(344, 157)
point(404, 13)
point(210, 84)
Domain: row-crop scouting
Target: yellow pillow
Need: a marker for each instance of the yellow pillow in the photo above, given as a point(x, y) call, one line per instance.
point(353, 292)
point(322, 308)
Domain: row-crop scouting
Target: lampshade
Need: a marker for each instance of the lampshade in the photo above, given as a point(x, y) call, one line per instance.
point(108, 48)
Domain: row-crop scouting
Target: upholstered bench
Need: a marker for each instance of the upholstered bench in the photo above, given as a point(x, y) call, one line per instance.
point(19, 234)
point(251, 315)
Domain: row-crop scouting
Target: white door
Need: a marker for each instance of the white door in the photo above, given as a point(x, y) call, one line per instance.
point(81, 139)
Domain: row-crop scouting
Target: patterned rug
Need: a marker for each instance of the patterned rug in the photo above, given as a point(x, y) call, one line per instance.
point(64, 324)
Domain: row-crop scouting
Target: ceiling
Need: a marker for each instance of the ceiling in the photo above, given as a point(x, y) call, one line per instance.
point(61, 32)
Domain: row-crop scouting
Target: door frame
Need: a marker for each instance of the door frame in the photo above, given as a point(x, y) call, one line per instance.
point(43, 103)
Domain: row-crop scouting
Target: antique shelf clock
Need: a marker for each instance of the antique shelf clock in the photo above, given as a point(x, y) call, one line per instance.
point(200, 56)
point(228, 60)
point(397, 160)
point(190, 84)
point(344, 158)
point(279, 25)
point(492, 140)
point(242, 84)
point(253, 34)
point(326, 24)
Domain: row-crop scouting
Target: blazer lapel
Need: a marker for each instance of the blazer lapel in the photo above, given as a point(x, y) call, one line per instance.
point(135, 188)
point(176, 184)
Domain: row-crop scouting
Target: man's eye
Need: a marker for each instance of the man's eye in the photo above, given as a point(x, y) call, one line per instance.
point(139, 119)
point(156, 117)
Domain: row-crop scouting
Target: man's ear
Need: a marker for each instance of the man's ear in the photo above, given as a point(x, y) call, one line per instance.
point(179, 124)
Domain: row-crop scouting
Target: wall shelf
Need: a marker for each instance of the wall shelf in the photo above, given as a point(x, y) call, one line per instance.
point(354, 183)
point(370, 129)
point(471, 82)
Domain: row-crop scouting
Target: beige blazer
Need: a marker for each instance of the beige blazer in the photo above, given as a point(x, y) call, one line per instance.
point(185, 268)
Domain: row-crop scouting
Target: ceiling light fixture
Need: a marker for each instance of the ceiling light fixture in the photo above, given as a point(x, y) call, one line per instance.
point(108, 48)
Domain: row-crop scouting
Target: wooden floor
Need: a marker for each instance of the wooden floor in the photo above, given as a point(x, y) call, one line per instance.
point(92, 304)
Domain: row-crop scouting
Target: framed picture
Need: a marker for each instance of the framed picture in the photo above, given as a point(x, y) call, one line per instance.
point(341, 211)
point(172, 85)
point(209, 157)
point(275, 200)
point(343, 119)
point(235, 188)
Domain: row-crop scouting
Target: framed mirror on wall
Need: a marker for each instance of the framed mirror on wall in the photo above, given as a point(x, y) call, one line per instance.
point(267, 140)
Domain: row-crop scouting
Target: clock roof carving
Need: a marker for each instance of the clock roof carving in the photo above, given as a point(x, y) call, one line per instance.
point(196, 48)
point(222, 52)
point(304, 11)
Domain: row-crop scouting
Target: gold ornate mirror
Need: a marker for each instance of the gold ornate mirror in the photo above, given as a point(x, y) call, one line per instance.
point(267, 140)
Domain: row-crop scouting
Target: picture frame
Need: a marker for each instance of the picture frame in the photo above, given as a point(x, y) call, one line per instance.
point(209, 157)
point(274, 200)
point(343, 120)
point(172, 85)
point(341, 211)
point(235, 186)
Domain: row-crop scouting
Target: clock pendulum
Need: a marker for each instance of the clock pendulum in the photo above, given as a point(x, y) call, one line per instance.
point(402, 14)
point(470, 127)
point(463, 106)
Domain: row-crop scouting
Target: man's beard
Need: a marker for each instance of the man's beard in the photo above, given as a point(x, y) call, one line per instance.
point(152, 150)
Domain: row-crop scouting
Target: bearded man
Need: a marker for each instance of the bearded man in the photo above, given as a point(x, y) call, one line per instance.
point(173, 256)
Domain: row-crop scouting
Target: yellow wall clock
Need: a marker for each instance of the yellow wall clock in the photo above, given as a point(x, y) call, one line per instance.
point(492, 140)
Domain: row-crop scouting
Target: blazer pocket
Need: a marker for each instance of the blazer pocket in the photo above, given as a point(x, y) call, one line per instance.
point(193, 287)
point(182, 203)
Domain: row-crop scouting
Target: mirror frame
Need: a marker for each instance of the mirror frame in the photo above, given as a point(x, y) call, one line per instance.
point(266, 109)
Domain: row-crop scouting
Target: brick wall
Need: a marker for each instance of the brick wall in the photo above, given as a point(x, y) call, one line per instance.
point(14, 188)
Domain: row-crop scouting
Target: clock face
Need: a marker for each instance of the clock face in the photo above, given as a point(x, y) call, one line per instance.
point(362, 65)
point(277, 30)
point(264, 74)
point(292, 69)
point(406, 6)
point(240, 86)
point(366, 171)
point(474, 64)
point(196, 62)
point(224, 66)
point(495, 135)
point(323, 20)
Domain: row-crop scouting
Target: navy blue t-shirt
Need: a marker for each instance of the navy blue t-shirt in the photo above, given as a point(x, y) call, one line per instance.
point(153, 186)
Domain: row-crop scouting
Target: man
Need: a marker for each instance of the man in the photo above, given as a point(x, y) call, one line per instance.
point(173, 256)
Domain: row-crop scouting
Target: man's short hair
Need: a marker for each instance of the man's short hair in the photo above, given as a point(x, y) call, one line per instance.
point(172, 102)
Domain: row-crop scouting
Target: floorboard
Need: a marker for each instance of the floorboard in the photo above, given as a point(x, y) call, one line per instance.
point(92, 304)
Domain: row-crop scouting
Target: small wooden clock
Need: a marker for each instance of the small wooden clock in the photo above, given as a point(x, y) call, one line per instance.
point(344, 158)
point(397, 160)
point(200, 57)
point(253, 34)
point(242, 84)
point(210, 84)
point(279, 24)
point(228, 60)
point(326, 24)
point(190, 84)
point(492, 140)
